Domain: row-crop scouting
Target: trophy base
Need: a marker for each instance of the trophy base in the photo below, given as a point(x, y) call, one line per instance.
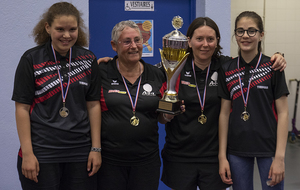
point(172, 108)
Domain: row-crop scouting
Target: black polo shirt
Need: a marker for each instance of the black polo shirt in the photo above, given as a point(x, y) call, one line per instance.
point(54, 138)
point(186, 139)
point(122, 143)
point(257, 136)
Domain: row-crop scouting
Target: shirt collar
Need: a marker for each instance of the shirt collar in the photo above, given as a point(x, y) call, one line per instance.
point(58, 56)
point(113, 72)
point(214, 65)
point(252, 63)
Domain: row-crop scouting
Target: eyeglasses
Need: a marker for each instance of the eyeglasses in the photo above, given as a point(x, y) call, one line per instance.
point(251, 32)
point(128, 42)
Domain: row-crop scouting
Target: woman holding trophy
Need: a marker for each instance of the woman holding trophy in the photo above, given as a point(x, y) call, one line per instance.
point(130, 91)
point(190, 154)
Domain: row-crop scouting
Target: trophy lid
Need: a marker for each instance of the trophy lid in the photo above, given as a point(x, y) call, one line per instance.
point(175, 39)
point(176, 35)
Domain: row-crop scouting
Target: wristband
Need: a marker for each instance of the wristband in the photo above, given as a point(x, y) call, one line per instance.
point(94, 149)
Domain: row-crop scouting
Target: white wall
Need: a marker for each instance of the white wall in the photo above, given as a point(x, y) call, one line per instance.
point(281, 21)
point(219, 11)
point(17, 19)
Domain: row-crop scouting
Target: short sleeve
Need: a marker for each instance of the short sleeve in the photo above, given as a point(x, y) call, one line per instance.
point(222, 88)
point(94, 90)
point(279, 85)
point(24, 88)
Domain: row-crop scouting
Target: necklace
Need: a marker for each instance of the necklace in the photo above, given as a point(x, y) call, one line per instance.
point(64, 111)
point(134, 120)
point(202, 118)
point(245, 116)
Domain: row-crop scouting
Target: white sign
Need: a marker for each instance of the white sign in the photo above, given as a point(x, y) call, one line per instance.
point(139, 5)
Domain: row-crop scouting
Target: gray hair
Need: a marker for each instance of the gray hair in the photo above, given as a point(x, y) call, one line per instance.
point(118, 28)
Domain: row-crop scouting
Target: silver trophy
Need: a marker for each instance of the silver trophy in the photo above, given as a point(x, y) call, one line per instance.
point(173, 57)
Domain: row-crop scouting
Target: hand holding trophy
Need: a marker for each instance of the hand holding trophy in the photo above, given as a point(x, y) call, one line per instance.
point(173, 58)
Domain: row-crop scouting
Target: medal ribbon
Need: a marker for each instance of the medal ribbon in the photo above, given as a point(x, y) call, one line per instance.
point(202, 102)
point(63, 93)
point(240, 81)
point(137, 92)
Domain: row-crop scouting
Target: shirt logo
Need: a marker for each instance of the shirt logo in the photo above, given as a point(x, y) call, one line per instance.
point(188, 84)
point(214, 79)
point(117, 91)
point(148, 90)
point(187, 74)
point(83, 83)
point(114, 82)
point(262, 87)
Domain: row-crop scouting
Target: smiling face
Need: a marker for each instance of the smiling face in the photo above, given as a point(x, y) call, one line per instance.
point(128, 53)
point(63, 32)
point(203, 44)
point(246, 43)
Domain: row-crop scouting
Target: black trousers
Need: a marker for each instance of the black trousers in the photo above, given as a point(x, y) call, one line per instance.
point(142, 177)
point(59, 176)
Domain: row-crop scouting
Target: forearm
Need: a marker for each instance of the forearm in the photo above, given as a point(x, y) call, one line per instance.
point(94, 111)
point(223, 127)
point(282, 127)
point(24, 127)
point(223, 133)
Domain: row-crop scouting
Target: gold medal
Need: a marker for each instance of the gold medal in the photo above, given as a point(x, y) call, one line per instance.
point(64, 112)
point(245, 115)
point(134, 121)
point(202, 119)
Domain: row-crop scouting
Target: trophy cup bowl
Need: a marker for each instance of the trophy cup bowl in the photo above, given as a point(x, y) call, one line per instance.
point(173, 57)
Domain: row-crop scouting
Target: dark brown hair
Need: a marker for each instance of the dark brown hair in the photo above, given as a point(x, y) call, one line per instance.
point(205, 21)
point(59, 9)
point(256, 18)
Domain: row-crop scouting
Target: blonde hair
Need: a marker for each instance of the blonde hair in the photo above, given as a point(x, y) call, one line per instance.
point(118, 28)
